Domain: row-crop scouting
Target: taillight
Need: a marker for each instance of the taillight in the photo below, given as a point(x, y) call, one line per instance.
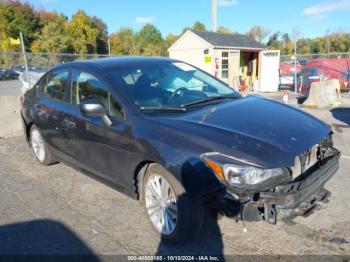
point(21, 100)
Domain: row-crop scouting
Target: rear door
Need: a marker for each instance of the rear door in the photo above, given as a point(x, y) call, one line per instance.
point(51, 109)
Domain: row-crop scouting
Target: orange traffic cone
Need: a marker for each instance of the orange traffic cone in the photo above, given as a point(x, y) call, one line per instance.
point(285, 97)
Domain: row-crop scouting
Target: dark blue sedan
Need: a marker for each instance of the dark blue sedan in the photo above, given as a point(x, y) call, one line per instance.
point(178, 139)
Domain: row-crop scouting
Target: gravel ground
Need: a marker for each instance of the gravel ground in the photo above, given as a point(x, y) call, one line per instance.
point(58, 210)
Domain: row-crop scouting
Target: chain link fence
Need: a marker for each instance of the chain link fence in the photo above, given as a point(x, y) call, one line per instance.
point(12, 66)
point(303, 58)
point(313, 68)
point(13, 71)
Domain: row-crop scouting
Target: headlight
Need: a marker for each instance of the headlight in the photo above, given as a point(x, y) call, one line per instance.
point(236, 175)
point(240, 173)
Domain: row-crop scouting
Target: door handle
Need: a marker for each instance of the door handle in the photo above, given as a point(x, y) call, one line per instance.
point(69, 124)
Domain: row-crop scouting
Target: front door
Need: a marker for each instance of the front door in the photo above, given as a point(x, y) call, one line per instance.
point(100, 149)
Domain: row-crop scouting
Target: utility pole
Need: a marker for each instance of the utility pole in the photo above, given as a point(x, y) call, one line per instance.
point(295, 68)
point(214, 15)
point(109, 46)
point(25, 59)
point(295, 36)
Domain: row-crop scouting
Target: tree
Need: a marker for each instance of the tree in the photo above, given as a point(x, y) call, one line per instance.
point(287, 44)
point(199, 26)
point(150, 40)
point(258, 33)
point(317, 45)
point(83, 33)
point(45, 31)
point(20, 17)
point(51, 17)
point(224, 30)
point(170, 39)
point(53, 36)
point(102, 38)
point(4, 34)
point(155, 50)
point(124, 42)
point(303, 46)
point(52, 39)
point(274, 42)
point(150, 34)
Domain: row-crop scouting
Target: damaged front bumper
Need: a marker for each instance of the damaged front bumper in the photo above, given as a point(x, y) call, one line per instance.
point(286, 201)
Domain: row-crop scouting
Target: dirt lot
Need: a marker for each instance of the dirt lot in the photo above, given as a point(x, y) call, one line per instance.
point(58, 210)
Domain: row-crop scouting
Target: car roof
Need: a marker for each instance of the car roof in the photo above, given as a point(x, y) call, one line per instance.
point(110, 62)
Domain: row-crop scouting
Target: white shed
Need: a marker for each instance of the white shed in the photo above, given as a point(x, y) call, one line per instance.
point(233, 58)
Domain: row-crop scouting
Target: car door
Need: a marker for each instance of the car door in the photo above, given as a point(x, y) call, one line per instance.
point(51, 109)
point(101, 149)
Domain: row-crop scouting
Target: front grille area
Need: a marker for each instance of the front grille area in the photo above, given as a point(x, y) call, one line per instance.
point(311, 157)
point(305, 161)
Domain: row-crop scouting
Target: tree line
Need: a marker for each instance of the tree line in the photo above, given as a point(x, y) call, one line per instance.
point(337, 41)
point(54, 32)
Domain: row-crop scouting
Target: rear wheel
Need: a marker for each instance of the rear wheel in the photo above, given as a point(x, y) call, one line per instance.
point(40, 149)
point(174, 215)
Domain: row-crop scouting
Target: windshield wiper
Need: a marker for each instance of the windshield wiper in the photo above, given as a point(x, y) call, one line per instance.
point(206, 100)
point(164, 109)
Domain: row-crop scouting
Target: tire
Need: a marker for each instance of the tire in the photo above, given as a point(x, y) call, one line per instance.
point(41, 152)
point(182, 215)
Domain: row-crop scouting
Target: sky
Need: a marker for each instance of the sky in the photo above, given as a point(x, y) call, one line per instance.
point(310, 17)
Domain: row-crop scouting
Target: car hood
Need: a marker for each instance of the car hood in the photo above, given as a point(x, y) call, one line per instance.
point(253, 129)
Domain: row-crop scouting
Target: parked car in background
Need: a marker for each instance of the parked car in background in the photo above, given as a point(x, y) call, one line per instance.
point(306, 77)
point(18, 69)
point(303, 62)
point(8, 74)
point(34, 75)
point(177, 138)
point(287, 75)
point(322, 69)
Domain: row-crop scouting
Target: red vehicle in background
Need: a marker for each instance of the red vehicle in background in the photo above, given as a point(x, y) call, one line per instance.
point(322, 69)
point(287, 74)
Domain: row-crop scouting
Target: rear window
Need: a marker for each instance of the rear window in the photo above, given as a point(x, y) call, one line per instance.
point(56, 85)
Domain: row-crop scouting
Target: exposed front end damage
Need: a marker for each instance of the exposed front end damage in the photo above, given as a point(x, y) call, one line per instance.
point(299, 197)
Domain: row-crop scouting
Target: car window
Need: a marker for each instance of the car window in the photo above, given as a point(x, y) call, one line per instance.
point(42, 84)
point(56, 85)
point(131, 78)
point(168, 84)
point(87, 87)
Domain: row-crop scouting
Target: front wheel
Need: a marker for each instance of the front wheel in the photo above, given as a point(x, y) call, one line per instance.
point(174, 216)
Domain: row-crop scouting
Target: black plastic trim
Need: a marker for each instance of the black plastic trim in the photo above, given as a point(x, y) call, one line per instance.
point(310, 186)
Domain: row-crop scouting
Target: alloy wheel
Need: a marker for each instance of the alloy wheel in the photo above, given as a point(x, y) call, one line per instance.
point(38, 145)
point(161, 204)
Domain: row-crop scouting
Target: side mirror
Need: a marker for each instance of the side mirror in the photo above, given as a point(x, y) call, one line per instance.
point(93, 109)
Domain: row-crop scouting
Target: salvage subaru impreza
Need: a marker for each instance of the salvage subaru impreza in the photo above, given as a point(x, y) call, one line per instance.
point(177, 139)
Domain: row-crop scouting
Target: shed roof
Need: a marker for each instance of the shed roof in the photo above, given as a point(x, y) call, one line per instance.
point(228, 40)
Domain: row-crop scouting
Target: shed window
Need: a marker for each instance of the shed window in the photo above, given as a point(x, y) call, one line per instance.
point(224, 65)
point(224, 54)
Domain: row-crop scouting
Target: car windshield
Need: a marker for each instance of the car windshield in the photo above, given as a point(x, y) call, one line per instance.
point(169, 85)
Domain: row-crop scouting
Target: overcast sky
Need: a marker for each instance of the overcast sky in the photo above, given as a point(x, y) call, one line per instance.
point(311, 17)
